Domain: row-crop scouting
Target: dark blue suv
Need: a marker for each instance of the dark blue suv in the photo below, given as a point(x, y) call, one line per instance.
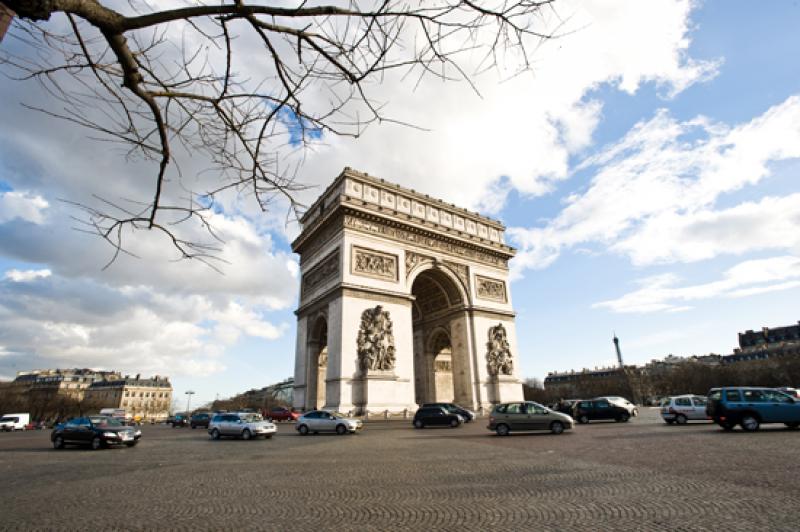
point(750, 407)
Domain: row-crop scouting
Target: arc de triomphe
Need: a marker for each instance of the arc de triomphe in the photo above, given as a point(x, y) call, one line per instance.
point(404, 299)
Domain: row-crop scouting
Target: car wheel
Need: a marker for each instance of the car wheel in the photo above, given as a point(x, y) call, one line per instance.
point(454, 423)
point(96, 443)
point(341, 430)
point(131, 444)
point(750, 423)
point(624, 417)
point(58, 443)
point(214, 434)
point(246, 434)
point(669, 421)
point(584, 419)
point(502, 430)
point(303, 430)
point(419, 424)
point(556, 427)
point(680, 419)
point(792, 425)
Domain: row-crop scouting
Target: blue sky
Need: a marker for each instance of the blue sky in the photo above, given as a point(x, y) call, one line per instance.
point(647, 171)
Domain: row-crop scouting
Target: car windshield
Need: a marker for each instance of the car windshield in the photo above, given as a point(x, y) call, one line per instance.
point(338, 414)
point(105, 421)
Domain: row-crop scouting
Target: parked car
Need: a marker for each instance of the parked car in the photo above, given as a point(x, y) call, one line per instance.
point(94, 431)
point(511, 417)
point(584, 411)
point(432, 416)
point(244, 425)
point(750, 407)
point(453, 408)
point(200, 419)
point(323, 421)
point(682, 408)
point(180, 420)
point(632, 409)
point(282, 414)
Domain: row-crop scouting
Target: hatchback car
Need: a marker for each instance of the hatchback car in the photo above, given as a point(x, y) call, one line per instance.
point(511, 417)
point(282, 414)
point(200, 419)
point(683, 408)
point(323, 421)
point(436, 416)
point(95, 431)
point(244, 425)
point(584, 411)
point(750, 407)
point(453, 408)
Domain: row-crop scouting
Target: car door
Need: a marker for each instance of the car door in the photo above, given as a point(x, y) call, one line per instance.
point(84, 432)
point(684, 406)
point(756, 401)
point(699, 408)
point(229, 425)
point(538, 418)
point(602, 410)
point(517, 416)
point(71, 430)
point(782, 408)
point(313, 421)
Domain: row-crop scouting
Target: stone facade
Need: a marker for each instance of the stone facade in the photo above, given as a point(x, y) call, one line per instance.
point(148, 399)
point(398, 297)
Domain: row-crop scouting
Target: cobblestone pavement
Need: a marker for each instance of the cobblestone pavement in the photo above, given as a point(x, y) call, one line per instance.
point(643, 475)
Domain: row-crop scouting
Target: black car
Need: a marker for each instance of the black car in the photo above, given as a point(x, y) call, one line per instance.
point(436, 416)
point(180, 420)
point(584, 411)
point(453, 408)
point(94, 431)
point(200, 419)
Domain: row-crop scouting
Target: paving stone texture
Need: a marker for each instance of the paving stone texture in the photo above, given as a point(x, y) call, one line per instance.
point(643, 475)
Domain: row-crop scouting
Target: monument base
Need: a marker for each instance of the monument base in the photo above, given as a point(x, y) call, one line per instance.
point(503, 389)
point(380, 391)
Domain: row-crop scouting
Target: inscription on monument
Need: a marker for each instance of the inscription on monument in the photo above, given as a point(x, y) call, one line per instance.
point(375, 340)
point(327, 269)
point(373, 263)
point(499, 360)
point(493, 289)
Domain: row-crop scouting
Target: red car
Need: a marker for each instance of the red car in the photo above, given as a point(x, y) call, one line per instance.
point(282, 414)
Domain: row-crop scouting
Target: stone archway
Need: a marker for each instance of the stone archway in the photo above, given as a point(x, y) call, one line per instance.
point(317, 352)
point(442, 371)
point(407, 293)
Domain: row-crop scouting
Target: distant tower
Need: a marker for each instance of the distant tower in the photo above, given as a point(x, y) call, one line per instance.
point(619, 353)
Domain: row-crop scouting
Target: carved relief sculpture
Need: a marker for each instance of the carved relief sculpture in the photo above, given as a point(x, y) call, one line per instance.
point(493, 289)
point(327, 269)
point(375, 341)
point(499, 360)
point(374, 263)
point(412, 259)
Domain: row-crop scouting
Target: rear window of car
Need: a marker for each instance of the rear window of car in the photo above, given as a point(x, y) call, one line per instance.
point(715, 395)
point(733, 396)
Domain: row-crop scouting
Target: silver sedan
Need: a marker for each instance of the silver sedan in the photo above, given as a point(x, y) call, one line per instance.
point(322, 421)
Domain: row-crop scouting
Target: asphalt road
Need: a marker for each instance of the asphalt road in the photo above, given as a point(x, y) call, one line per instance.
point(641, 475)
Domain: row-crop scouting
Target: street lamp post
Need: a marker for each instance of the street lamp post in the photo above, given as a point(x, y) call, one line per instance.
point(189, 394)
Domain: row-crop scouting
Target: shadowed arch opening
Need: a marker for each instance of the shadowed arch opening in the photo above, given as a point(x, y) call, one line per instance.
point(317, 363)
point(441, 372)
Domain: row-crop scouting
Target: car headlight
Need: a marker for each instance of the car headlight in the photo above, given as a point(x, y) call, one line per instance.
point(137, 433)
point(110, 434)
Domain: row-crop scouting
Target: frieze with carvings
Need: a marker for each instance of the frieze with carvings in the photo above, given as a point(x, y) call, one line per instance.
point(461, 270)
point(327, 269)
point(402, 235)
point(414, 259)
point(499, 360)
point(492, 289)
point(373, 263)
point(375, 341)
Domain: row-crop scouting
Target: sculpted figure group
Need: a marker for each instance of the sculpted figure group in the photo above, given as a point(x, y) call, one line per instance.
point(375, 340)
point(498, 357)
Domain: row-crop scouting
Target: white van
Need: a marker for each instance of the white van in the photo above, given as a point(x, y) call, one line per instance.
point(11, 422)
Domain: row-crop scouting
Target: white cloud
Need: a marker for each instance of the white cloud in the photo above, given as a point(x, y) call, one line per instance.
point(663, 293)
point(22, 205)
point(653, 194)
point(22, 276)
